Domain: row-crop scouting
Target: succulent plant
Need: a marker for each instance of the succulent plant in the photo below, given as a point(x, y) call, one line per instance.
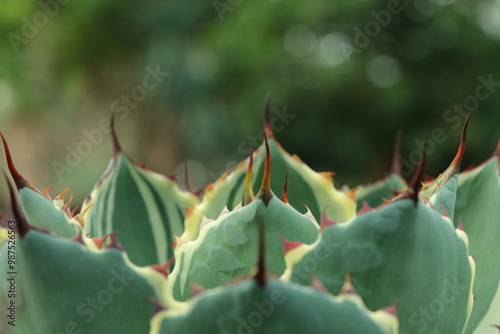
point(144, 256)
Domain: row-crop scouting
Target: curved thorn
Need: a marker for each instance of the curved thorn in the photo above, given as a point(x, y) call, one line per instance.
point(326, 220)
point(116, 144)
point(265, 191)
point(317, 284)
point(22, 224)
point(196, 289)
point(114, 243)
point(267, 124)
point(19, 180)
point(396, 164)
point(73, 212)
point(100, 241)
point(260, 275)
point(163, 269)
point(284, 194)
point(416, 182)
point(289, 245)
point(248, 180)
point(455, 164)
point(364, 208)
point(392, 309)
point(348, 287)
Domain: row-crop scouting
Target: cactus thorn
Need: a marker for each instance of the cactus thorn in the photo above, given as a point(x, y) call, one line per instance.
point(455, 164)
point(326, 220)
point(260, 275)
point(177, 240)
point(267, 124)
point(163, 269)
point(22, 224)
point(364, 208)
point(496, 326)
point(352, 194)
point(173, 177)
point(61, 195)
point(416, 182)
point(348, 288)
point(73, 212)
point(114, 243)
point(289, 245)
point(396, 164)
point(392, 309)
point(99, 241)
point(328, 175)
point(284, 194)
point(265, 192)
point(317, 284)
point(116, 144)
point(195, 289)
point(444, 212)
point(249, 196)
point(19, 180)
point(78, 238)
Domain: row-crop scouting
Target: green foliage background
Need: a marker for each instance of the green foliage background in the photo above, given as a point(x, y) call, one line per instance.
point(223, 58)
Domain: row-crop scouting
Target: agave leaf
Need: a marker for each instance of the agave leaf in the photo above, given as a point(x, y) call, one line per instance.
point(144, 207)
point(226, 192)
point(478, 207)
point(276, 308)
point(64, 286)
point(227, 247)
point(305, 186)
point(442, 192)
point(43, 212)
point(392, 254)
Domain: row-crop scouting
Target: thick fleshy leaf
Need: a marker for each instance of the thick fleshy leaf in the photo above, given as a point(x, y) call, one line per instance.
point(478, 207)
point(306, 188)
point(227, 192)
point(42, 211)
point(61, 286)
point(144, 207)
point(45, 214)
point(276, 308)
point(398, 253)
point(441, 193)
point(227, 247)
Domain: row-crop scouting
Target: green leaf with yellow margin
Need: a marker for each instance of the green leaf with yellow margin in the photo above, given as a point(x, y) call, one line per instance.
point(478, 207)
point(276, 308)
point(401, 254)
point(144, 207)
point(42, 211)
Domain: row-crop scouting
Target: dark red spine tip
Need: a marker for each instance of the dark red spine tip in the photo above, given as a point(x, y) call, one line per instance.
point(116, 144)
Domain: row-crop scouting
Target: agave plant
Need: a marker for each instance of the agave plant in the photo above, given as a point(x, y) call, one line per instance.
point(144, 256)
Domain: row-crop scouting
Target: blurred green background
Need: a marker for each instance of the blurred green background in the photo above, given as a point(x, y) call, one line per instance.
point(344, 77)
